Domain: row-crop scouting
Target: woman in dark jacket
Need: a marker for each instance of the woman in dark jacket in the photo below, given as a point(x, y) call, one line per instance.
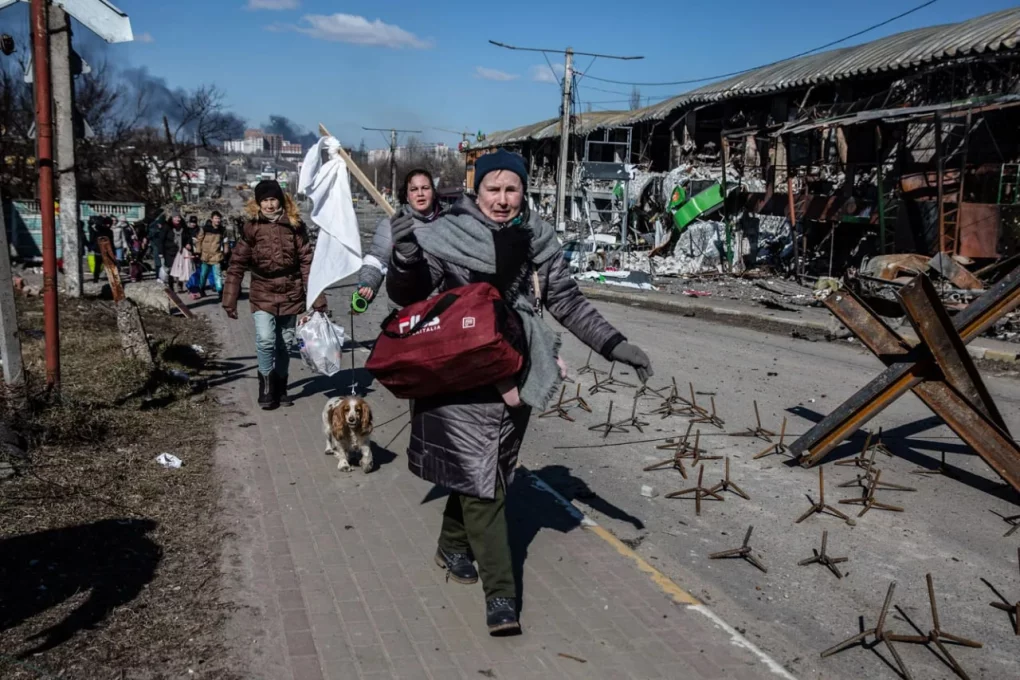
point(418, 198)
point(173, 238)
point(468, 442)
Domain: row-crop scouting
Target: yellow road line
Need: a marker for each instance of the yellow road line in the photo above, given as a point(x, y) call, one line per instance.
point(679, 595)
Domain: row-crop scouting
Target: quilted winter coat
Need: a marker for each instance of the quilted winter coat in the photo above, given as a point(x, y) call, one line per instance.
point(280, 258)
point(468, 442)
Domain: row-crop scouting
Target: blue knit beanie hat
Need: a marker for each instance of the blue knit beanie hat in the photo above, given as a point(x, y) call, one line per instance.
point(500, 160)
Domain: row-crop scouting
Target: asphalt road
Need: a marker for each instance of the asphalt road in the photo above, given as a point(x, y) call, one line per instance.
point(793, 612)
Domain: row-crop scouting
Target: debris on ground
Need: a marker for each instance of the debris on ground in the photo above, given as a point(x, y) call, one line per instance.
point(101, 520)
point(169, 460)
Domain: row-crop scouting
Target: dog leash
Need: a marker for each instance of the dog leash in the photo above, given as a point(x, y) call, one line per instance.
point(354, 384)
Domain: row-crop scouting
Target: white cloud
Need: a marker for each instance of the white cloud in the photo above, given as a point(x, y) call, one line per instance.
point(543, 74)
point(272, 4)
point(145, 38)
point(493, 74)
point(358, 30)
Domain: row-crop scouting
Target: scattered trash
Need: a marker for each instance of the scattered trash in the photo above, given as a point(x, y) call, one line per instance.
point(633, 543)
point(690, 292)
point(648, 491)
point(246, 425)
point(572, 657)
point(178, 375)
point(198, 349)
point(169, 460)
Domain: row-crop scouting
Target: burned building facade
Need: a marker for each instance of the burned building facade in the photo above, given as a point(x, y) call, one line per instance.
point(910, 143)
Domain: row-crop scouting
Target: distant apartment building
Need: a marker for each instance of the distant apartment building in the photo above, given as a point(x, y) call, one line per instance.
point(437, 151)
point(257, 143)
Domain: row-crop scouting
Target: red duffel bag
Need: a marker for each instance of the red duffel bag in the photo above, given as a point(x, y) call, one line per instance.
point(464, 338)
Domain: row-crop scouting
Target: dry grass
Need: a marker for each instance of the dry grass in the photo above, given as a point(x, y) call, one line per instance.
point(108, 561)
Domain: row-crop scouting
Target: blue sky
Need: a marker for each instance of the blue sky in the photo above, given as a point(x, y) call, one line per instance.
point(418, 65)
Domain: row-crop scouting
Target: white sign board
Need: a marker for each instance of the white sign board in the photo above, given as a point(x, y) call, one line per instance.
point(99, 16)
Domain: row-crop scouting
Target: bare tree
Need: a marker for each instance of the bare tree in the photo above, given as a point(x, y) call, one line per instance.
point(635, 98)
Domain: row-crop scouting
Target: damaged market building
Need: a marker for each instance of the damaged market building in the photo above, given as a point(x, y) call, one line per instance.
point(813, 165)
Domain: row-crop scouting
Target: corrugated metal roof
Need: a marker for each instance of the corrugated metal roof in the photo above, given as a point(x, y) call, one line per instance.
point(996, 32)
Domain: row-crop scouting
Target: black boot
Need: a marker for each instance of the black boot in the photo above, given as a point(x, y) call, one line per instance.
point(267, 400)
point(501, 616)
point(458, 566)
point(280, 389)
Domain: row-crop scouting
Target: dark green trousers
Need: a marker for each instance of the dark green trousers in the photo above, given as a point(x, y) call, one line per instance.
point(477, 526)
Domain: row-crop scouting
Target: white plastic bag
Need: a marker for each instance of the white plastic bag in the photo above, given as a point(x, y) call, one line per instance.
point(321, 342)
point(164, 275)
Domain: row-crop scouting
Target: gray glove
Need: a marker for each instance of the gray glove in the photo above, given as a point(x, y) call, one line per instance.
point(634, 356)
point(402, 231)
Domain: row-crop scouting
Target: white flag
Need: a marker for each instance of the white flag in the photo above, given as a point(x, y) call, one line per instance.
point(338, 249)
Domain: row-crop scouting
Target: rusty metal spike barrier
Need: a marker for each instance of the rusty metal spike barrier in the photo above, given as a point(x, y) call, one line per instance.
point(757, 431)
point(609, 426)
point(633, 420)
point(588, 368)
point(1012, 609)
point(710, 418)
point(743, 552)
point(938, 370)
point(727, 485)
point(560, 407)
point(779, 447)
point(880, 634)
point(868, 501)
point(937, 636)
point(821, 507)
point(822, 558)
point(612, 380)
point(699, 491)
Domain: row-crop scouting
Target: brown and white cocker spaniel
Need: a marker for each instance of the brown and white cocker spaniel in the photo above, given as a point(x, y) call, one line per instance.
point(347, 424)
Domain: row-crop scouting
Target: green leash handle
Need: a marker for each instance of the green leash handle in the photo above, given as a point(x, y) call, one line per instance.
point(358, 303)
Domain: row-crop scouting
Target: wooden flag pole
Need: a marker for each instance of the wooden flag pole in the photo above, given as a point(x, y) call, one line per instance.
point(360, 176)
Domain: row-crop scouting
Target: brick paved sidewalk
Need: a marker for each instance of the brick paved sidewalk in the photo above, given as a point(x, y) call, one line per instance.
point(337, 567)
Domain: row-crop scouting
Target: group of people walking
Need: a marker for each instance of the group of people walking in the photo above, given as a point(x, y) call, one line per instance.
point(205, 249)
point(466, 442)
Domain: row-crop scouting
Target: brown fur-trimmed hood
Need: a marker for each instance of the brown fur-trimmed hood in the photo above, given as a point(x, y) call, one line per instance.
point(290, 209)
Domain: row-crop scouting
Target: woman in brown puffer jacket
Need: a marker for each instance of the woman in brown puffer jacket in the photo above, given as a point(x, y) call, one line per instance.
point(274, 246)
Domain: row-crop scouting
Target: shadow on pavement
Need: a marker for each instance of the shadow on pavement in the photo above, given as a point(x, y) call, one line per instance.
point(111, 560)
point(571, 487)
point(338, 385)
point(898, 441)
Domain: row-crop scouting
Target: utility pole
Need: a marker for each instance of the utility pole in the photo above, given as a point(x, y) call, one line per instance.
point(561, 182)
point(567, 86)
point(44, 161)
point(393, 153)
point(67, 176)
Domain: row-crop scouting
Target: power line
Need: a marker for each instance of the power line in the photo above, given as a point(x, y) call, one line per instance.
point(773, 63)
point(556, 51)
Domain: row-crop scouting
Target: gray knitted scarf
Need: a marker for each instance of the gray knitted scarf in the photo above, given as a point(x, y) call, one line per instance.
point(464, 237)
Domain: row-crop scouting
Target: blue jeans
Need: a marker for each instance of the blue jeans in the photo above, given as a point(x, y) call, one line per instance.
point(157, 260)
point(274, 336)
point(203, 276)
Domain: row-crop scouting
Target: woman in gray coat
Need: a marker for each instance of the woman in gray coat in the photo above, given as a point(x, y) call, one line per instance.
point(418, 198)
point(468, 442)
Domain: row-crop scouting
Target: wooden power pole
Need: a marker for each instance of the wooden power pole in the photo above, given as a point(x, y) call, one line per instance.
point(567, 87)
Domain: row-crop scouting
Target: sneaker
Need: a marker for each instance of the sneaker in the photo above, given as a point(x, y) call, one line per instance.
point(501, 616)
point(458, 566)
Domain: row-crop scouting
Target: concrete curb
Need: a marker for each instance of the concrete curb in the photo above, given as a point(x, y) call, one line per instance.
point(680, 596)
point(686, 307)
